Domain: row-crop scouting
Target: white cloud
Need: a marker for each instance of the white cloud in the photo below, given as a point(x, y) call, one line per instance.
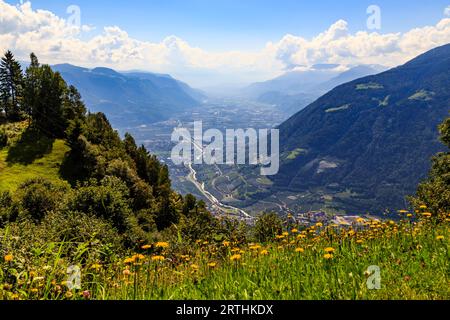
point(447, 11)
point(54, 40)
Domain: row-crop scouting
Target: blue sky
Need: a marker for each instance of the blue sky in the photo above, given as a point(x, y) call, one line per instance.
point(242, 24)
point(216, 42)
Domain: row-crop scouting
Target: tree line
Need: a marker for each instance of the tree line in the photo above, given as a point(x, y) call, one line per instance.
point(38, 94)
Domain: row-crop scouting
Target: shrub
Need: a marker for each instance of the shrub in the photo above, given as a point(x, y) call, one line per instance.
point(3, 139)
point(39, 196)
point(107, 199)
point(267, 226)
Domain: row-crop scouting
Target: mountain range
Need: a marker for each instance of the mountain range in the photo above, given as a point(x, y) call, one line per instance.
point(296, 89)
point(366, 144)
point(132, 98)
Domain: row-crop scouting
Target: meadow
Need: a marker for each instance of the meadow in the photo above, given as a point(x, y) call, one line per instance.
point(318, 262)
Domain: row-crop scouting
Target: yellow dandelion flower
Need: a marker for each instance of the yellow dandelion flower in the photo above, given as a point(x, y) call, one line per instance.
point(255, 247)
point(427, 214)
point(359, 241)
point(163, 245)
point(328, 256)
point(212, 265)
point(409, 215)
point(264, 253)
point(235, 257)
point(300, 250)
point(285, 234)
point(138, 257)
point(440, 238)
point(158, 258)
point(194, 267)
point(423, 207)
point(226, 243)
point(329, 250)
point(294, 230)
point(96, 266)
point(235, 250)
point(146, 247)
point(128, 260)
point(9, 258)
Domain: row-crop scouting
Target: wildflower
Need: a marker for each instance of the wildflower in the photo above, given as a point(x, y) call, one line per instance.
point(7, 287)
point(138, 257)
point(9, 258)
point(128, 260)
point(402, 211)
point(423, 207)
point(427, 215)
point(226, 243)
point(301, 236)
point(185, 257)
point(328, 256)
point(235, 250)
point(319, 225)
point(126, 272)
point(300, 250)
point(235, 257)
point(96, 266)
point(264, 253)
point(158, 258)
point(86, 294)
point(329, 250)
point(146, 247)
point(255, 247)
point(34, 290)
point(163, 245)
point(285, 234)
point(194, 267)
point(359, 241)
point(69, 295)
point(212, 265)
point(294, 230)
point(409, 215)
point(440, 238)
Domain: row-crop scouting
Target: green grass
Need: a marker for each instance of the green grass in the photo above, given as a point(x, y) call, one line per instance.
point(413, 260)
point(28, 156)
point(342, 108)
point(369, 86)
point(295, 153)
point(422, 95)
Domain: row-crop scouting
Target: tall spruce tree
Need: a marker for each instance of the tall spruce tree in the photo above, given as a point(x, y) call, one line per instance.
point(31, 86)
point(11, 84)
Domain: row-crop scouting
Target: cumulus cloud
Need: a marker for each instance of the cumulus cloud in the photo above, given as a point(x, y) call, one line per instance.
point(55, 40)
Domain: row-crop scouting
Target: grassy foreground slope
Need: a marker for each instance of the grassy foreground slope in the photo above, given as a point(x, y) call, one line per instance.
point(320, 262)
point(28, 156)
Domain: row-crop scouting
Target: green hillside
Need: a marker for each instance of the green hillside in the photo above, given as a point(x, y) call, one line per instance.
point(29, 157)
point(373, 136)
